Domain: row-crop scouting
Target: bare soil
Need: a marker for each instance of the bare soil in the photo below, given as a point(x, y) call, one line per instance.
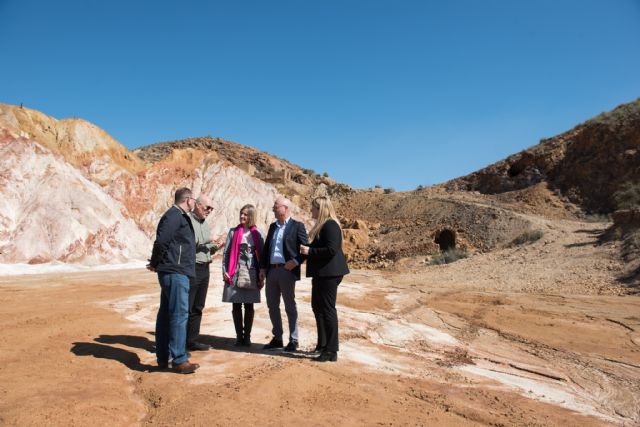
point(541, 334)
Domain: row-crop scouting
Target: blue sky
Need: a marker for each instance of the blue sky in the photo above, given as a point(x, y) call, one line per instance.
point(392, 93)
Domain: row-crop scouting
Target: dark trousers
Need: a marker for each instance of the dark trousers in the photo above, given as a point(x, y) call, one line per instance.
point(324, 291)
point(198, 288)
point(243, 331)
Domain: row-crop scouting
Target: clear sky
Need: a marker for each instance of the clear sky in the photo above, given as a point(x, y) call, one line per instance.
point(395, 93)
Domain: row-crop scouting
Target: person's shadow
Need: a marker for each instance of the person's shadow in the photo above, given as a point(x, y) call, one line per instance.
point(228, 344)
point(100, 350)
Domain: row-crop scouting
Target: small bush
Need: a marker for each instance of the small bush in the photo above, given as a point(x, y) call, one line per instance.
point(628, 196)
point(596, 217)
point(389, 190)
point(325, 174)
point(419, 187)
point(308, 172)
point(449, 256)
point(527, 237)
point(633, 241)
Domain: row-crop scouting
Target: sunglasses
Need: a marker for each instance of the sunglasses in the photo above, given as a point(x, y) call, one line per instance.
point(205, 207)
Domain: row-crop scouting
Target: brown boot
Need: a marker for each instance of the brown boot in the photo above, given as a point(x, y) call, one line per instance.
point(185, 368)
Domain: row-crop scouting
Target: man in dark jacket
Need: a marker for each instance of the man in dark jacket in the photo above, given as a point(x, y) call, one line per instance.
point(281, 269)
point(173, 258)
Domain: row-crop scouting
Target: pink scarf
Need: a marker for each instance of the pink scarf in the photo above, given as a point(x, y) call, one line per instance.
point(235, 248)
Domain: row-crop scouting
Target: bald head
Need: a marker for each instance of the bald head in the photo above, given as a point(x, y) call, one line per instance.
point(281, 208)
point(204, 200)
point(203, 206)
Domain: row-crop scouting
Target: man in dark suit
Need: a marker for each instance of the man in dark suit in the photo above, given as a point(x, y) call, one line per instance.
point(281, 270)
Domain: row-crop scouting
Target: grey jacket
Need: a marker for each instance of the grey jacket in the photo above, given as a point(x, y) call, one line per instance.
point(204, 246)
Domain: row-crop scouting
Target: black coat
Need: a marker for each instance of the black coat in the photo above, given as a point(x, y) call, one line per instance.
point(294, 235)
point(326, 258)
point(174, 250)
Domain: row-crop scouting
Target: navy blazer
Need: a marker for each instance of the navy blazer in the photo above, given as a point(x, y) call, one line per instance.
point(294, 235)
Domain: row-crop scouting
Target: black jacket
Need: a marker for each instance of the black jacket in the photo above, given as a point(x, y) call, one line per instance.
point(174, 250)
point(294, 235)
point(326, 258)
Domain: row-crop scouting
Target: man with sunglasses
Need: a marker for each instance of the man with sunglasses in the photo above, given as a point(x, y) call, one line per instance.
point(199, 285)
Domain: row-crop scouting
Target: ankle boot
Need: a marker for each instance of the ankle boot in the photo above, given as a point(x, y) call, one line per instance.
point(248, 324)
point(237, 322)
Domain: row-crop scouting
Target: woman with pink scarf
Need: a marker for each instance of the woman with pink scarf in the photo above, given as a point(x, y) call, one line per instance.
point(240, 267)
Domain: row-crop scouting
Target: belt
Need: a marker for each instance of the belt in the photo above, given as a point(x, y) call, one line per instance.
point(276, 265)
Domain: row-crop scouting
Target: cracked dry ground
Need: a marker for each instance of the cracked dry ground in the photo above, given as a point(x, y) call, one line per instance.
point(534, 335)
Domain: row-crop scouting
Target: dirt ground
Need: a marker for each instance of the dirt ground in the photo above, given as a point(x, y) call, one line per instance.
point(540, 334)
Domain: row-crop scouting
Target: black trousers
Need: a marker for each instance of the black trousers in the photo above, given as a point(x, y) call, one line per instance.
point(198, 288)
point(324, 291)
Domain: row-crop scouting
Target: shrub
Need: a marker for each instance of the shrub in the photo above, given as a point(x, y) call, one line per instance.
point(419, 187)
point(449, 256)
point(633, 241)
point(325, 174)
point(597, 217)
point(628, 196)
point(527, 237)
point(389, 190)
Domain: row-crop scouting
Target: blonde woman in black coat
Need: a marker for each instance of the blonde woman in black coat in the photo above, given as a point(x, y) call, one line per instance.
point(326, 265)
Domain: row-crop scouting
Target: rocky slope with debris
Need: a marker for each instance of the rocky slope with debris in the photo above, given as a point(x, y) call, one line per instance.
point(586, 165)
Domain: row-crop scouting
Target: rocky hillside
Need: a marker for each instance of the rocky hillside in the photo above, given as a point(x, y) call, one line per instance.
point(297, 183)
point(123, 193)
point(71, 193)
point(585, 165)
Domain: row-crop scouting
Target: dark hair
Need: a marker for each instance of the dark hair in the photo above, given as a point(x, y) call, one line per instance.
point(182, 194)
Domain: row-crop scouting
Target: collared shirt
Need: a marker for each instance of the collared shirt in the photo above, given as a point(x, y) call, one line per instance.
point(277, 246)
point(203, 239)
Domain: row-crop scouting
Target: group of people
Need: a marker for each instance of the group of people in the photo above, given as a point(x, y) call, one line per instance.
point(182, 253)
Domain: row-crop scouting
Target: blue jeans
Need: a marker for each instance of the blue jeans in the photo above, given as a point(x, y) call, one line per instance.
point(171, 323)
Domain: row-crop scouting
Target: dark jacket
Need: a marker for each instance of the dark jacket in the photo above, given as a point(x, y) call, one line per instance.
point(294, 235)
point(174, 250)
point(325, 258)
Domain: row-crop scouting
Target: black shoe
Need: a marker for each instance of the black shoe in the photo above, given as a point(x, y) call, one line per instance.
point(246, 341)
point(292, 346)
point(198, 346)
point(327, 356)
point(274, 343)
point(319, 349)
point(239, 341)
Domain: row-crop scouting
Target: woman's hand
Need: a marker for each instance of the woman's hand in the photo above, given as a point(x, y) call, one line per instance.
point(226, 277)
point(304, 250)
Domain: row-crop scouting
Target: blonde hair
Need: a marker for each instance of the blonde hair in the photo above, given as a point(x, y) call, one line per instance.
point(325, 213)
point(251, 214)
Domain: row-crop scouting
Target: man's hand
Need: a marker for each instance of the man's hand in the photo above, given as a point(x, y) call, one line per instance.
point(290, 265)
point(226, 277)
point(153, 270)
point(304, 250)
point(262, 275)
